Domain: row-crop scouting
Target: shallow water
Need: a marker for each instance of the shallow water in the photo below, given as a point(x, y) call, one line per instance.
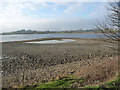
point(9, 38)
point(52, 41)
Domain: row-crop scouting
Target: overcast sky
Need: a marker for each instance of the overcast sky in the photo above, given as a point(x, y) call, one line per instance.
point(42, 16)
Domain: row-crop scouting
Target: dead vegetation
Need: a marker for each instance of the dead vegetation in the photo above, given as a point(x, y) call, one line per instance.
point(93, 72)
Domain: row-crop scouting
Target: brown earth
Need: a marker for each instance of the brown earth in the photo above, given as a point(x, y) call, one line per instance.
point(27, 64)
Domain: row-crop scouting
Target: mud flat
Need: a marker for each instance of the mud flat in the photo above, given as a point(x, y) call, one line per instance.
point(30, 63)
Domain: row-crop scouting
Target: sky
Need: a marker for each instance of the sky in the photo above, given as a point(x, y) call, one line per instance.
point(52, 16)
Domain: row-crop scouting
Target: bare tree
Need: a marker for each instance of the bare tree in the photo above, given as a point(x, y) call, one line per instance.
point(111, 27)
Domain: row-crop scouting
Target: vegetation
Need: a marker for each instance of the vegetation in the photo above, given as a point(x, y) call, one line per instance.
point(112, 22)
point(111, 84)
point(23, 31)
point(68, 82)
point(64, 82)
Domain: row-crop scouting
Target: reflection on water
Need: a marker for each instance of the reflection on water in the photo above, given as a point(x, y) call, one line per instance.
point(52, 41)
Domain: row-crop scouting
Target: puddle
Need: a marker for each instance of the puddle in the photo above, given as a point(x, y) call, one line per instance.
point(52, 41)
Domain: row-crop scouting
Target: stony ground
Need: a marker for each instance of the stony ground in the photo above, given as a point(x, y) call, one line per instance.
point(25, 64)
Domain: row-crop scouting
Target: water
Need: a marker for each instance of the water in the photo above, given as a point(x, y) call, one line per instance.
point(52, 41)
point(9, 38)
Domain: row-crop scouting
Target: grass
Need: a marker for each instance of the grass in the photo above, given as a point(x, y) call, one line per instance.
point(64, 82)
point(67, 82)
point(111, 84)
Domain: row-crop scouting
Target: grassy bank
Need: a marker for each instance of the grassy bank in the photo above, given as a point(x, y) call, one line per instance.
point(70, 82)
point(114, 83)
point(65, 82)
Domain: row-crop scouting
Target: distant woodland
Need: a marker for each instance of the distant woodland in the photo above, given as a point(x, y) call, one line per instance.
point(23, 31)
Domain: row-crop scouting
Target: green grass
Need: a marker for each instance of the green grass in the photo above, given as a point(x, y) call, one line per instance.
point(111, 84)
point(92, 86)
point(67, 82)
point(61, 83)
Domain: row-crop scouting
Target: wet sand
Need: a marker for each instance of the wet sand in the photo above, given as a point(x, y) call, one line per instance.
point(21, 59)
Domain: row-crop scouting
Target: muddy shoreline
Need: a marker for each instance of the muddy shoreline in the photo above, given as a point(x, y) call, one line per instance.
point(21, 57)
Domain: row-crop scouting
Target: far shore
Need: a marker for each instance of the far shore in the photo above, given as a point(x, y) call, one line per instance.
point(47, 33)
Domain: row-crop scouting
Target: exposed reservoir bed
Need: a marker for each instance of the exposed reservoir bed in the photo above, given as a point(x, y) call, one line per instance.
point(45, 62)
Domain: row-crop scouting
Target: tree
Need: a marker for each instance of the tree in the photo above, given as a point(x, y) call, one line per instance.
point(111, 27)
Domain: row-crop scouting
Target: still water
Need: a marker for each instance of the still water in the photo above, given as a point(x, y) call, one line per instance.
point(52, 41)
point(20, 37)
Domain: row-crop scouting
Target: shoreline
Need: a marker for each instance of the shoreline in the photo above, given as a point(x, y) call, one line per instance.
point(54, 33)
point(43, 39)
point(51, 33)
point(19, 56)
